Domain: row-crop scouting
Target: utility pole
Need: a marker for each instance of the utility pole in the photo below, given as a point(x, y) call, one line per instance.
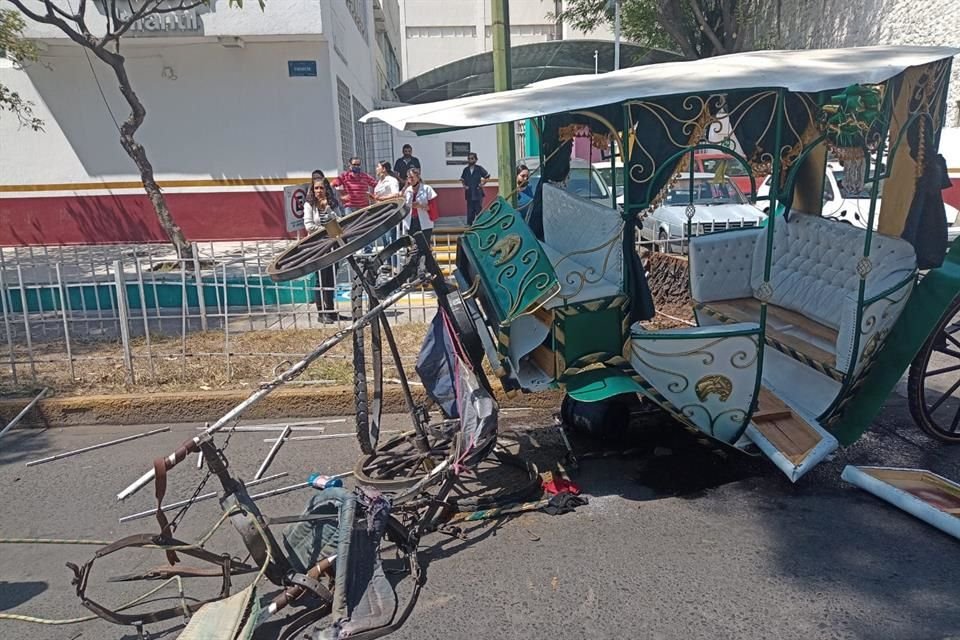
point(502, 81)
point(616, 34)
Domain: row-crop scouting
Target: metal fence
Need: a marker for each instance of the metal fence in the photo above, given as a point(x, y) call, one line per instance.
point(114, 315)
point(139, 306)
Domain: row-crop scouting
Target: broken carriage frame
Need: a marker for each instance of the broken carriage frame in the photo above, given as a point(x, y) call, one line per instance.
point(555, 295)
point(444, 456)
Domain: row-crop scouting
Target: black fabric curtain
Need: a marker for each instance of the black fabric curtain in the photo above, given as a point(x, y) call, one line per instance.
point(756, 128)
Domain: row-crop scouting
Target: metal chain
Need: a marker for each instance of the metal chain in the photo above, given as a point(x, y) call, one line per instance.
point(183, 510)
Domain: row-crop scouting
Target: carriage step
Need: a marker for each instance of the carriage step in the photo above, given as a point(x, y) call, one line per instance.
point(792, 443)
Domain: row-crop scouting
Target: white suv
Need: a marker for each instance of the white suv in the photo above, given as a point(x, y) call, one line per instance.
point(852, 207)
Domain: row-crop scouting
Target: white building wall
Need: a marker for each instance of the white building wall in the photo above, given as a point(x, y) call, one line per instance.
point(436, 32)
point(229, 113)
point(431, 150)
point(280, 17)
point(814, 24)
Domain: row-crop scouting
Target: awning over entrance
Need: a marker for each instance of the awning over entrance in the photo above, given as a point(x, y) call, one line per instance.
point(530, 63)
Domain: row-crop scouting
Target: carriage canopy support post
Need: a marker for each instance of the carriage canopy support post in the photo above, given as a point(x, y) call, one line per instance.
point(502, 81)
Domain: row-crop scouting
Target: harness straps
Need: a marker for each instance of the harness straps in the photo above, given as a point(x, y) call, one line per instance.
point(160, 484)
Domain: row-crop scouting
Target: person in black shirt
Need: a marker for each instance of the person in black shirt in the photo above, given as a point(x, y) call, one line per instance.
point(473, 178)
point(405, 163)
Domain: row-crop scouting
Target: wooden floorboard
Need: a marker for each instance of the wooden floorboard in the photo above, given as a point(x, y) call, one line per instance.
point(787, 431)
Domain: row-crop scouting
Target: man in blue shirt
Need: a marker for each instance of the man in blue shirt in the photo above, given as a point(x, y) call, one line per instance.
point(473, 178)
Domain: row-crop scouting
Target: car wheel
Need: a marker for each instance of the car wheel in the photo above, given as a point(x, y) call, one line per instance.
point(663, 242)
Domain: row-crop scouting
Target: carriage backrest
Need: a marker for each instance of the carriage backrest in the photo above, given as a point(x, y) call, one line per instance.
point(590, 231)
point(814, 265)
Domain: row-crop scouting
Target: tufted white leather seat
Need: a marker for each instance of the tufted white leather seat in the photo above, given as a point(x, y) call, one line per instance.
point(582, 239)
point(814, 266)
point(814, 281)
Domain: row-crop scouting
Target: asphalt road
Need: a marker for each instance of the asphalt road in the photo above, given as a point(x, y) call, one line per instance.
point(679, 545)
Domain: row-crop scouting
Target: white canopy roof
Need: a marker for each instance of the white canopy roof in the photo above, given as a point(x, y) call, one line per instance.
point(804, 71)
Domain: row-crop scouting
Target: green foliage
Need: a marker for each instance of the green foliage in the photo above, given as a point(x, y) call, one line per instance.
point(695, 28)
point(14, 47)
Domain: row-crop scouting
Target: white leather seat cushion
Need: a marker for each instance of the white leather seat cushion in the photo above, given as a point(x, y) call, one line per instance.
point(814, 265)
point(570, 275)
point(591, 231)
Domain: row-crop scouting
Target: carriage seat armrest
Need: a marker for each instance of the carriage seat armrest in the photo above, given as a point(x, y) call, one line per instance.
point(721, 263)
point(884, 301)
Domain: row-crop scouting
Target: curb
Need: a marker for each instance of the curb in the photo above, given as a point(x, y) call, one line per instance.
point(159, 408)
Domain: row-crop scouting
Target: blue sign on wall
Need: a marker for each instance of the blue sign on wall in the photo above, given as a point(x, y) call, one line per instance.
point(301, 68)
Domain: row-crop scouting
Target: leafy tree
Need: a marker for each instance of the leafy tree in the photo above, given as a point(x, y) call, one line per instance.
point(695, 28)
point(14, 47)
point(120, 18)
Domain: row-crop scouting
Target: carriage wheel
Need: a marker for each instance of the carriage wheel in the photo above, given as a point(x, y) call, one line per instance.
point(935, 378)
point(399, 463)
point(368, 405)
point(500, 478)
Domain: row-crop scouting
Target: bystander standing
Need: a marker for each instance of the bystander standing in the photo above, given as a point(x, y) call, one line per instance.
point(316, 213)
point(355, 187)
point(405, 162)
point(473, 179)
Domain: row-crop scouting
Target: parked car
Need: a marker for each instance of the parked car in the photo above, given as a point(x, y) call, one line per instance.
point(718, 206)
point(584, 179)
point(708, 161)
point(852, 207)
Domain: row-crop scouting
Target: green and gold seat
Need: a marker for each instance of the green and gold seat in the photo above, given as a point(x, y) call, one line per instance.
point(556, 307)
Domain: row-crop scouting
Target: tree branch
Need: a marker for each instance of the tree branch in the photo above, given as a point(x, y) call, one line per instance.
point(52, 19)
point(671, 23)
point(731, 26)
point(705, 27)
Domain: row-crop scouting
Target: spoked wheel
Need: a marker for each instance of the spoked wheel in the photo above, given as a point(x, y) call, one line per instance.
point(399, 463)
point(367, 400)
point(935, 378)
point(319, 250)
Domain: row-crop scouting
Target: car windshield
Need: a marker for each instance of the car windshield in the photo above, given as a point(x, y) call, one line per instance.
point(579, 184)
point(704, 192)
point(862, 194)
point(734, 168)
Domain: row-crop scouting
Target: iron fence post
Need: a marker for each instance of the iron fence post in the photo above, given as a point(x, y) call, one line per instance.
point(121, 293)
point(64, 298)
point(198, 282)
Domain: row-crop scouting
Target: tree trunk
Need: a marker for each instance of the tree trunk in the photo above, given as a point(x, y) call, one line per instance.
point(139, 155)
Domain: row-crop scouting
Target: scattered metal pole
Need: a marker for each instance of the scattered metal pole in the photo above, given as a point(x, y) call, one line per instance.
point(23, 412)
point(124, 319)
point(329, 436)
point(66, 325)
point(200, 452)
point(266, 388)
point(26, 320)
point(184, 312)
point(6, 325)
point(198, 283)
point(262, 429)
point(200, 498)
point(67, 454)
point(272, 453)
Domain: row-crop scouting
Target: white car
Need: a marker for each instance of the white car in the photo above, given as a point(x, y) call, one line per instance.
point(853, 208)
point(718, 206)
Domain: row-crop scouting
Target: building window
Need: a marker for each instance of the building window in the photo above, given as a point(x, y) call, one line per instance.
point(442, 32)
point(346, 124)
point(390, 58)
point(545, 31)
point(358, 10)
point(362, 149)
